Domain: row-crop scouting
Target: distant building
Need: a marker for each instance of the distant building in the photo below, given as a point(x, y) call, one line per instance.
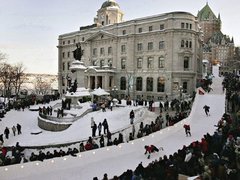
point(148, 57)
point(218, 48)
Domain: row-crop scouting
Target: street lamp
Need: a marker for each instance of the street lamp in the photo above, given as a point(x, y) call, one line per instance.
point(180, 92)
point(114, 89)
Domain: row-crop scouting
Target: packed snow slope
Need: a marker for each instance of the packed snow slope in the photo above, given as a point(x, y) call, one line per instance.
point(114, 160)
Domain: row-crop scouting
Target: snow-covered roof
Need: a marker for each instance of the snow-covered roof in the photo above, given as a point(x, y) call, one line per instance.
point(77, 65)
point(81, 92)
point(100, 92)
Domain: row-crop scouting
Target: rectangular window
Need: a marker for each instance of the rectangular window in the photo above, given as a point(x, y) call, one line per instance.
point(139, 47)
point(63, 81)
point(124, 32)
point(139, 30)
point(69, 41)
point(161, 45)
point(161, 62)
point(63, 55)
point(109, 50)
point(74, 41)
point(110, 81)
point(190, 26)
point(123, 63)
point(68, 54)
point(123, 48)
point(150, 46)
point(182, 25)
point(63, 42)
point(186, 25)
point(69, 64)
point(186, 63)
point(139, 63)
point(94, 51)
point(63, 66)
point(161, 26)
point(102, 51)
point(185, 87)
point(150, 63)
point(150, 28)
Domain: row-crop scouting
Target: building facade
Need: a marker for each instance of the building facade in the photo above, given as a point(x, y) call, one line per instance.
point(218, 48)
point(148, 57)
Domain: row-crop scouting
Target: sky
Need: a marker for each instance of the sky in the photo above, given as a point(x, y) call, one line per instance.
point(30, 28)
point(113, 160)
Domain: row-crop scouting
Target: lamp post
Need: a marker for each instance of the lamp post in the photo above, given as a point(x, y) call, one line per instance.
point(180, 92)
point(114, 89)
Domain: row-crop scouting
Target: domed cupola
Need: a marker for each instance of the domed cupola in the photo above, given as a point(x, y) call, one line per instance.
point(109, 13)
point(110, 3)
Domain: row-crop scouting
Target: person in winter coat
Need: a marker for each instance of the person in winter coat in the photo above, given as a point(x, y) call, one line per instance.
point(19, 127)
point(131, 115)
point(206, 109)
point(105, 126)
point(6, 132)
point(14, 130)
point(150, 149)
point(105, 177)
point(94, 129)
point(81, 147)
point(92, 126)
point(1, 138)
point(187, 129)
point(101, 141)
point(99, 128)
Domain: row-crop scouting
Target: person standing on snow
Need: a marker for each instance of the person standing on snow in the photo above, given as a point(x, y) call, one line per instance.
point(19, 127)
point(99, 128)
point(131, 115)
point(105, 126)
point(6, 132)
point(14, 130)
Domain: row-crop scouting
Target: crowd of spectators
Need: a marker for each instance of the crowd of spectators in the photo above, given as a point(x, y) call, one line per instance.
point(104, 139)
point(215, 157)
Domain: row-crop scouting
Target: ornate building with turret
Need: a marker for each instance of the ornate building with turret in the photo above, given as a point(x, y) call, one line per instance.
point(218, 48)
point(144, 58)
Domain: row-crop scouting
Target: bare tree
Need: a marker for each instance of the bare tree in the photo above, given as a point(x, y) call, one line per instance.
point(42, 86)
point(19, 77)
point(6, 78)
point(2, 56)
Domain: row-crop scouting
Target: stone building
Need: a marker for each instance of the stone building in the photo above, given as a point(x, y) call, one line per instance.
point(148, 57)
point(218, 48)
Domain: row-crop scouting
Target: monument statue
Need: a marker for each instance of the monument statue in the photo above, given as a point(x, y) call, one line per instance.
point(77, 53)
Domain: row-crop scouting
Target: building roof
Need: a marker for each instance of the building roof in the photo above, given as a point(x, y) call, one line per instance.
point(206, 13)
point(109, 3)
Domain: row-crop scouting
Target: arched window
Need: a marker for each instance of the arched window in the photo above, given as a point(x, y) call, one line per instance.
point(139, 84)
point(149, 84)
point(123, 83)
point(161, 84)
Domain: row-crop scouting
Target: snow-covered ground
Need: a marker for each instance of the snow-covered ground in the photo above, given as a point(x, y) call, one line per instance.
point(112, 160)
